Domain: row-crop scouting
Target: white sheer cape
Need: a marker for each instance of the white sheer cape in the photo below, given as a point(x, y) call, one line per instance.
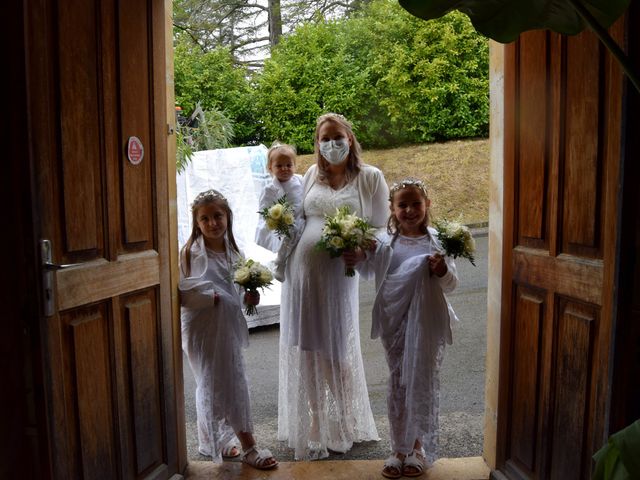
point(212, 339)
point(413, 319)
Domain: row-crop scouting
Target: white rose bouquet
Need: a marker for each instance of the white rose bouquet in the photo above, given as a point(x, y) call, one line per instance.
point(251, 276)
point(456, 239)
point(345, 231)
point(279, 217)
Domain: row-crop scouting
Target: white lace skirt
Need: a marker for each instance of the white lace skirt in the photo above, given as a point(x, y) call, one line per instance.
point(323, 401)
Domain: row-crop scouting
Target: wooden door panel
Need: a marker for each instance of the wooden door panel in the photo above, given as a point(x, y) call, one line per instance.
point(561, 164)
point(90, 420)
point(532, 164)
point(529, 308)
point(573, 365)
point(110, 340)
point(583, 153)
point(137, 115)
point(79, 93)
point(144, 374)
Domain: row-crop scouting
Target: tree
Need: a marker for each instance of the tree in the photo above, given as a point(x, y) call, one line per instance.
point(250, 28)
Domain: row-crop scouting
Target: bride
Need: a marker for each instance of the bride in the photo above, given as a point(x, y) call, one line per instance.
point(323, 401)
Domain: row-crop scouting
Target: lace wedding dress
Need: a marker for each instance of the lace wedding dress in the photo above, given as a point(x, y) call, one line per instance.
point(323, 400)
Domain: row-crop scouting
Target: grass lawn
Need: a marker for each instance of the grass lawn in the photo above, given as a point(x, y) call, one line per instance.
point(456, 174)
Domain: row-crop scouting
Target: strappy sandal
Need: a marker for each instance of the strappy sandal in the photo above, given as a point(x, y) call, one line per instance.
point(414, 464)
point(230, 451)
point(259, 460)
point(392, 467)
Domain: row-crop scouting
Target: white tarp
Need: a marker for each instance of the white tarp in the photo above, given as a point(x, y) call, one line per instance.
point(239, 174)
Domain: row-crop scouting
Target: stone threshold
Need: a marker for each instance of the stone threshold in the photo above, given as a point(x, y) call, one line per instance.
point(470, 468)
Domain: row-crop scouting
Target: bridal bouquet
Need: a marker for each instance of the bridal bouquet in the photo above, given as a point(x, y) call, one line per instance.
point(345, 231)
point(456, 239)
point(279, 217)
point(251, 276)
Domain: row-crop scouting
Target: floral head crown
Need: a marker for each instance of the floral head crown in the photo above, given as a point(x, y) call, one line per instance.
point(406, 183)
point(209, 195)
point(332, 116)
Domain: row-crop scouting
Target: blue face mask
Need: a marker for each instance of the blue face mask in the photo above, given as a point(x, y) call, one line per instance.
point(334, 151)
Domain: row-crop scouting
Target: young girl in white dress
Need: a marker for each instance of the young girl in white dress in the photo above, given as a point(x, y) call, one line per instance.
point(214, 332)
point(281, 163)
point(323, 403)
point(412, 317)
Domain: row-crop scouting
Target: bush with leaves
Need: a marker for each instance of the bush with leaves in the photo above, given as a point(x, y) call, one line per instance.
point(211, 130)
point(310, 72)
point(397, 78)
point(431, 77)
point(214, 80)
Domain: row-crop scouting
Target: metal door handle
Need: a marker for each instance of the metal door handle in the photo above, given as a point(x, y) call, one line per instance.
point(52, 267)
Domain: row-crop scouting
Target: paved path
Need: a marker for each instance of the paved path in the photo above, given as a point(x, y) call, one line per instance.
point(462, 375)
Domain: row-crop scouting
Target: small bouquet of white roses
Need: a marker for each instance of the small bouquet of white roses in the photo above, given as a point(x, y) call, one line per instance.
point(251, 276)
point(279, 217)
point(456, 239)
point(345, 231)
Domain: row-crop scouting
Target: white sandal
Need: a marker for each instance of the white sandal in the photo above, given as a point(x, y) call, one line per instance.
point(259, 460)
point(416, 461)
point(390, 464)
point(228, 451)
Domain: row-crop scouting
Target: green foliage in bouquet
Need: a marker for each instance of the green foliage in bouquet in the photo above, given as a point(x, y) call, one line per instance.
point(456, 239)
point(279, 217)
point(345, 231)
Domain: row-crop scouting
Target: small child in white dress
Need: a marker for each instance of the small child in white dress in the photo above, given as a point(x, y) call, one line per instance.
point(281, 163)
point(214, 332)
point(412, 317)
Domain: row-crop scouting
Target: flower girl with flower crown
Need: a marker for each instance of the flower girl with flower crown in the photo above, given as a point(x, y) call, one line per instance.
point(281, 163)
point(214, 332)
point(412, 317)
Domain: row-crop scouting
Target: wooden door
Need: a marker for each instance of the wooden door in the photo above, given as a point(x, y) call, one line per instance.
point(96, 70)
point(562, 102)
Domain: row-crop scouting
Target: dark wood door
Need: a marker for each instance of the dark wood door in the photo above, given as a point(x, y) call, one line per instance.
point(96, 70)
point(563, 99)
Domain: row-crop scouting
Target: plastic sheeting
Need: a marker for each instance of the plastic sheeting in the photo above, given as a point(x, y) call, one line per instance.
point(239, 174)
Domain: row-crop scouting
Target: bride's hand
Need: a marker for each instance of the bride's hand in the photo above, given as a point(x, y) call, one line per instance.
point(352, 257)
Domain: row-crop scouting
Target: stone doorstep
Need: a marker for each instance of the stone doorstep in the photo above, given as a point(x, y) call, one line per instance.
point(470, 468)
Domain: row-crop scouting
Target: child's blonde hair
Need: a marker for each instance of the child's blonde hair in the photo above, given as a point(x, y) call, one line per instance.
point(277, 146)
point(393, 225)
point(206, 198)
point(354, 160)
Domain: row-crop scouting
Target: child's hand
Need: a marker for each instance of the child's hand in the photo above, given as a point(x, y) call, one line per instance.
point(437, 265)
point(352, 257)
point(373, 244)
point(252, 298)
point(216, 298)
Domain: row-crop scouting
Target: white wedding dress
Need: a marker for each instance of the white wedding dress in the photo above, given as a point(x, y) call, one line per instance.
point(323, 400)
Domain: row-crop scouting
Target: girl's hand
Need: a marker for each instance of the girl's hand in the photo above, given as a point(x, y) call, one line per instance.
point(437, 265)
point(216, 298)
point(252, 298)
point(352, 257)
point(373, 244)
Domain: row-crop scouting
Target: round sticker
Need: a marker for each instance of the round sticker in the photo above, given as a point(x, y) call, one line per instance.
point(135, 150)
